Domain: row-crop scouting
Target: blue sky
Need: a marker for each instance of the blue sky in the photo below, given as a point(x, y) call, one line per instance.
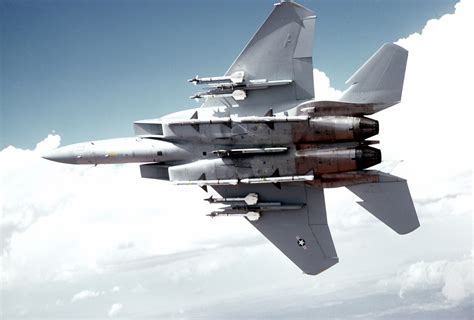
point(88, 69)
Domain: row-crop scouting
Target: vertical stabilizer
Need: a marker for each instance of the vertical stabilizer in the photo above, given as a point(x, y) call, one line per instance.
point(380, 79)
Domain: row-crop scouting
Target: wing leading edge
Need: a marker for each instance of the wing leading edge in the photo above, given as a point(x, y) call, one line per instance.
point(302, 235)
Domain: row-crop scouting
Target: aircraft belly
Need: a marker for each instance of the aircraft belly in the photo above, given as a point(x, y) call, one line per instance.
point(270, 130)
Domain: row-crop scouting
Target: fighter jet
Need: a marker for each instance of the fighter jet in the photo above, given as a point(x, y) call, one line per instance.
point(265, 149)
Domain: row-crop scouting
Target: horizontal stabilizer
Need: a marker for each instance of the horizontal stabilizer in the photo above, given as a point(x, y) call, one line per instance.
point(390, 201)
point(380, 79)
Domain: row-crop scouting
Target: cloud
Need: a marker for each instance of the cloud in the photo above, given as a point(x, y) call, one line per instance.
point(75, 206)
point(18, 168)
point(115, 310)
point(115, 289)
point(427, 130)
point(455, 278)
point(322, 87)
point(51, 142)
point(84, 294)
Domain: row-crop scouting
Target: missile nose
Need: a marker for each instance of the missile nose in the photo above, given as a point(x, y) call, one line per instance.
point(60, 155)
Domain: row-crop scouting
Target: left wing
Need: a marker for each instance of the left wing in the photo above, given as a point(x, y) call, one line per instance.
point(303, 234)
point(280, 50)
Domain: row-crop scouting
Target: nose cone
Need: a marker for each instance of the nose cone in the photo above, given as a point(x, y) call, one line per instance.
point(64, 155)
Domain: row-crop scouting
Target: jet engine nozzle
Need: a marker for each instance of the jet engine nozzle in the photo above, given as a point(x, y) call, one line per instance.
point(336, 128)
point(366, 157)
point(365, 128)
point(336, 160)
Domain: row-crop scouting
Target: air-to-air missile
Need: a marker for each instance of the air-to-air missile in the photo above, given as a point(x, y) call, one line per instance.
point(266, 148)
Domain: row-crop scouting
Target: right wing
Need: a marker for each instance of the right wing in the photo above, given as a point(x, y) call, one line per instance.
point(282, 49)
point(302, 235)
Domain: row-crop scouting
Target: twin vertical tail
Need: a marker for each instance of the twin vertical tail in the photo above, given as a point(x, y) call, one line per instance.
point(377, 85)
point(379, 81)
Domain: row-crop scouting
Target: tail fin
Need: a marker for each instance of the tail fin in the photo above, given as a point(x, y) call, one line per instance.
point(390, 201)
point(380, 79)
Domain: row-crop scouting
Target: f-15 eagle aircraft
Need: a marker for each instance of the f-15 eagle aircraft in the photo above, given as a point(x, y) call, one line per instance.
point(265, 149)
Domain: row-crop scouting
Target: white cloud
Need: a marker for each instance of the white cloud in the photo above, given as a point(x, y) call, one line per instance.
point(115, 309)
point(429, 129)
point(66, 211)
point(51, 142)
point(322, 87)
point(453, 280)
point(84, 294)
point(115, 289)
point(454, 277)
point(17, 169)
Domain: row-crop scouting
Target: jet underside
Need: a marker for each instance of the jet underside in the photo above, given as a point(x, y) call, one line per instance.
point(264, 148)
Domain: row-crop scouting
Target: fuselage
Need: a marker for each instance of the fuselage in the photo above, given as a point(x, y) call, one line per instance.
point(234, 148)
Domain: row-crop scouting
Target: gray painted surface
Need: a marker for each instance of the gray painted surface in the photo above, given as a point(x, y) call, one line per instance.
point(302, 235)
point(389, 200)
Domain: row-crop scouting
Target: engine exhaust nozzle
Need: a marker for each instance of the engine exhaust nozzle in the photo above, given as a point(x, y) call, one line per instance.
point(366, 157)
point(365, 128)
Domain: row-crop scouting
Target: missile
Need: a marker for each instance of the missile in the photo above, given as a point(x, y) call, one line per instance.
point(197, 96)
point(282, 179)
point(307, 177)
point(250, 199)
point(225, 182)
point(253, 212)
point(251, 215)
point(236, 94)
point(260, 207)
point(263, 206)
point(236, 77)
point(194, 80)
point(236, 152)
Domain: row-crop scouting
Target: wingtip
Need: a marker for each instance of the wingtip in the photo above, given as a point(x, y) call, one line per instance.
point(408, 230)
point(296, 4)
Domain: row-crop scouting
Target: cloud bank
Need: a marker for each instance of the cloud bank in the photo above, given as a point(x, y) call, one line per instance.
point(455, 277)
point(66, 228)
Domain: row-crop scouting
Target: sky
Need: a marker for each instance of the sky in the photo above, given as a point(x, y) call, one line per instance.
point(100, 242)
point(88, 69)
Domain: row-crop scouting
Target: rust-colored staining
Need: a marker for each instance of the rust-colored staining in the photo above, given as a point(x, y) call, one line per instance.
point(334, 160)
point(336, 180)
point(325, 160)
point(334, 128)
